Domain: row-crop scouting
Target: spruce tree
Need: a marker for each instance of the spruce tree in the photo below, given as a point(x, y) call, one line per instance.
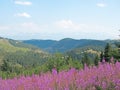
point(101, 56)
point(85, 59)
point(107, 51)
point(96, 60)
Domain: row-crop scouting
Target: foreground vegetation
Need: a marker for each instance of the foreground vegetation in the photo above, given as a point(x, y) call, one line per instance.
point(33, 62)
point(105, 76)
point(24, 67)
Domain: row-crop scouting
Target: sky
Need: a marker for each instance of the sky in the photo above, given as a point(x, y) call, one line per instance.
point(58, 19)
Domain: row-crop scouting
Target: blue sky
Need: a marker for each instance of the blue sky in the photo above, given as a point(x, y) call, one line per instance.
point(57, 19)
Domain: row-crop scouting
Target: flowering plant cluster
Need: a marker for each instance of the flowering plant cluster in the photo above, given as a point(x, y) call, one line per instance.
point(105, 76)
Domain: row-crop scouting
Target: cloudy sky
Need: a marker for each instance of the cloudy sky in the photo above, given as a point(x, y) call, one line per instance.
point(57, 19)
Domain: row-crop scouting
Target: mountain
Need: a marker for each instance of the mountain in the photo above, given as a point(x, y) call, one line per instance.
point(17, 52)
point(65, 44)
point(41, 43)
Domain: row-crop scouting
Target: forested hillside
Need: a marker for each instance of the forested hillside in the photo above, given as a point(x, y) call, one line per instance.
point(18, 53)
point(66, 44)
point(18, 58)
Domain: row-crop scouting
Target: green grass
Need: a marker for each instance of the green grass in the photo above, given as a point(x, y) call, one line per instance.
point(6, 46)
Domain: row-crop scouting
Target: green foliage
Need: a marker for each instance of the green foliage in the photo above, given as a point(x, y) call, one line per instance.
point(110, 52)
point(107, 54)
point(101, 56)
point(16, 52)
point(26, 58)
point(96, 60)
point(98, 88)
point(58, 61)
point(5, 66)
point(118, 49)
point(17, 58)
point(62, 62)
point(85, 59)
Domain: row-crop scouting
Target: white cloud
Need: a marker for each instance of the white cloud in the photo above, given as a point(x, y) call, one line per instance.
point(26, 3)
point(29, 25)
point(68, 24)
point(24, 14)
point(101, 5)
point(4, 27)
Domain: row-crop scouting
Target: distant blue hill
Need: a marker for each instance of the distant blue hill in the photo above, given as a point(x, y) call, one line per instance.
point(66, 44)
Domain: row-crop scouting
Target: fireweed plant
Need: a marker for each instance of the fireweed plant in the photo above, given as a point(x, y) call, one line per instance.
point(105, 76)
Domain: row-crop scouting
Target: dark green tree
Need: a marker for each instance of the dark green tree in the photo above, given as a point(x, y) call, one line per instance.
point(5, 66)
point(85, 59)
point(118, 48)
point(101, 56)
point(96, 60)
point(107, 52)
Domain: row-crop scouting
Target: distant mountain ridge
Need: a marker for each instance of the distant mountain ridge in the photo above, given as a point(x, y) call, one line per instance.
point(33, 52)
point(65, 44)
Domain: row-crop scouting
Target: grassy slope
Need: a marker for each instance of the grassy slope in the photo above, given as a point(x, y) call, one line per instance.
point(6, 46)
point(12, 47)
